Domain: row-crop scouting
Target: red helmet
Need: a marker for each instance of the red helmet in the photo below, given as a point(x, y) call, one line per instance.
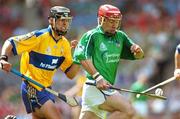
point(109, 11)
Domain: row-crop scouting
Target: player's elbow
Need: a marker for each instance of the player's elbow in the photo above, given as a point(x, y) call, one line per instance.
point(73, 71)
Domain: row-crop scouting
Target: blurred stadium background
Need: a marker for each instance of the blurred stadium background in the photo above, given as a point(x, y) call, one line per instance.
point(153, 24)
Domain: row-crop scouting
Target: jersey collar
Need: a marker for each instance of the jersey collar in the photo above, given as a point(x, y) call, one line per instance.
point(52, 34)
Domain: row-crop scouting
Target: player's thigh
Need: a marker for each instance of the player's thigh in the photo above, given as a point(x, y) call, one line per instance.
point(116, 102)
point(48, 110)
point(88, 115)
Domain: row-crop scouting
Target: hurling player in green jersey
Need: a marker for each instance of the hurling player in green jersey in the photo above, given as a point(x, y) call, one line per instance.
point(99, 52)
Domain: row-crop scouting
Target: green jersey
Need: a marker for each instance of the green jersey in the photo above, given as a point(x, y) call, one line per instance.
point(105, 51)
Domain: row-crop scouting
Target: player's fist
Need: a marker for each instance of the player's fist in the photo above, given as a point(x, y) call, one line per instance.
point(177, 74)
point(137, 51)
point(102, 84)
point(74, 43)
point(6, 66)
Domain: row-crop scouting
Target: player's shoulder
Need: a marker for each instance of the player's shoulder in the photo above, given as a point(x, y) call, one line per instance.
point(120, 32)
point(22, 37)
point(40, 32)
point(91, 32)
point(65, 39)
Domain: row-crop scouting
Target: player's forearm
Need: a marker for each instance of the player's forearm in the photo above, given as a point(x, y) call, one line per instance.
point(177, 60)
point(88, 66)
point(73, 71)
point(7, 48)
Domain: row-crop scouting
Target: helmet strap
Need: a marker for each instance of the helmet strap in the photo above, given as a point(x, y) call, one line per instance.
point(100, 21)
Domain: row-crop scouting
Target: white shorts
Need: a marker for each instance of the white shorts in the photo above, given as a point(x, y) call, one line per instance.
point(92, 97)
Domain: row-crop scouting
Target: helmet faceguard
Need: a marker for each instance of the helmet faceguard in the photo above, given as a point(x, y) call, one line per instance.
point(59, 12)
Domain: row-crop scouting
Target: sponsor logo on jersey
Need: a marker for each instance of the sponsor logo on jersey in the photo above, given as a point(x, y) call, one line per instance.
point(44, 61)
point(110, 58)
point(48, 66)
point(54, 61)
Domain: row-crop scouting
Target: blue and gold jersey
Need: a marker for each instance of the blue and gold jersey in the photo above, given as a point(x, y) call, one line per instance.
point(42, 55)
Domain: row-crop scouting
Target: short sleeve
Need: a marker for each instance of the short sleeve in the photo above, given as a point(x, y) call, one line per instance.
point(126, 52)
point(84, 48)
point(68, 58)
point(24, 43)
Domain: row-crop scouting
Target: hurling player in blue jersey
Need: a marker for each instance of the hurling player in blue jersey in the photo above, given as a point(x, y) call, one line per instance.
point(177, 62)
point(43, 52)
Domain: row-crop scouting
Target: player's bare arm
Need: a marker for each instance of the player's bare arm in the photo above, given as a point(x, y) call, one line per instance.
point(137, 51)
point(6, 51)
point(74, 43)
point(73, 71)
point(100, 82)
point(177, 63)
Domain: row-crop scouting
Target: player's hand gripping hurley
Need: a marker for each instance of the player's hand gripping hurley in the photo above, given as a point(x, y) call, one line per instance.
point(131, 91)
point(69, 100)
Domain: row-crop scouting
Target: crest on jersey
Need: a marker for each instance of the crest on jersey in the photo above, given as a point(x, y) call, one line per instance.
point(103, 47)
point(48, 50)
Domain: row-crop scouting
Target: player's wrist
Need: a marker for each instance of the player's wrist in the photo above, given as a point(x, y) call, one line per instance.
point(4, 57)
point(97, 76)
point(177, 71)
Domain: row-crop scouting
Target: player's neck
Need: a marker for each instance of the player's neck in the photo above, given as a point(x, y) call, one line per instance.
point(56, 36)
